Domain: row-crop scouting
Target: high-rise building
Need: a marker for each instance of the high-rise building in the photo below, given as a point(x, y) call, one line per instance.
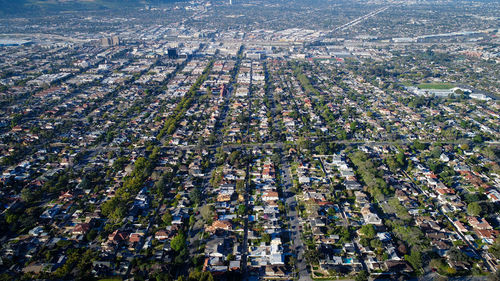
point(172, 53)
point(105, 42)
point(110, 41)
point(115, 41)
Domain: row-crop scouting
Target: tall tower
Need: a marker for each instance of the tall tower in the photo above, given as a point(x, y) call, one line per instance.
point(223, 91)
point(230, 2)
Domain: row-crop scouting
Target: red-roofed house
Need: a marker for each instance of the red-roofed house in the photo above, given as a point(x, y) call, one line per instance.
point(81, 228)
point(270, 196)
point(118, 236)
point(479, 223)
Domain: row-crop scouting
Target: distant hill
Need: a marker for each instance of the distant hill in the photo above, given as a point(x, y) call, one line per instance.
point(14, 7)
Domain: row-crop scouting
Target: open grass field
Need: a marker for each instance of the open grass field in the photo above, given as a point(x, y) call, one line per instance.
point(435, 86)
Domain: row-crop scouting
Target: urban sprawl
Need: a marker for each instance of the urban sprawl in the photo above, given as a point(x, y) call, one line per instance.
point(190, 141)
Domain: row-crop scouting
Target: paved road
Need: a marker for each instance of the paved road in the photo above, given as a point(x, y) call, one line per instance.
point(360, 19)
point(291, 202)
point(244, 247)
point(326, 140)
point(244, 254)
point(278, 145)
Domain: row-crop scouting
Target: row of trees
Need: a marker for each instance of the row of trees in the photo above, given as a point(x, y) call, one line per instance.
point(179, 111)
point(371, 176)
point(116, 208)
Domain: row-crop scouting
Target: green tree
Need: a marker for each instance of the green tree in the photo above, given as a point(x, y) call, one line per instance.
point(362, 276)
point(240, 186)
point(230, 257)
point(474, 209)
point(375, 244)
point(167, 218)
point(266, 238)
point(207, 212)
point(415, 259)
point(418, 145)
point(495, 249)
point(178, 242)
point(200, 276)
point(195, 196)
point(368, 230)
point(241, 209)
point(27, 195)
point(304, 143)
point(91, 235)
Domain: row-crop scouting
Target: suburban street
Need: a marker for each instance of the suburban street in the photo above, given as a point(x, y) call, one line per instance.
point(293, 216)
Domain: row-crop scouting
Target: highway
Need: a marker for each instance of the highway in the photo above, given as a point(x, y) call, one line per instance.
point(360, 19)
